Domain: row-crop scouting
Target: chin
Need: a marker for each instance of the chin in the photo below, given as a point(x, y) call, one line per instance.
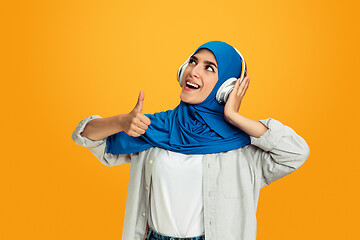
point(186, 97)
point(186, 100)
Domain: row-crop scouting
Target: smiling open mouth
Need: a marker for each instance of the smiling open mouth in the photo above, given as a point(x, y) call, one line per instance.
point(192, 85)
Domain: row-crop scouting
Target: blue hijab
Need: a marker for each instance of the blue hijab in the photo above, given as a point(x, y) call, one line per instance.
point(191, 128)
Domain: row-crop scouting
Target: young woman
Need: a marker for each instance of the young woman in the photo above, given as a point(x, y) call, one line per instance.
point(197, 170)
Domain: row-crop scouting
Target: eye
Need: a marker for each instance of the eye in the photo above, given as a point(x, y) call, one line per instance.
point(191, 61)
point(212, 69)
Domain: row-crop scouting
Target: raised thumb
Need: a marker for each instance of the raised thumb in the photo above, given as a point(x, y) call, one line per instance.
point(139, 104)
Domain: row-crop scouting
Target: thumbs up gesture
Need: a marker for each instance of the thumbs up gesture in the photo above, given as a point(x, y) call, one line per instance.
point(135, 122)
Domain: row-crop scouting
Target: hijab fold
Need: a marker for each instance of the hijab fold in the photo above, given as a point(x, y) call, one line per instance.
point(191, 128)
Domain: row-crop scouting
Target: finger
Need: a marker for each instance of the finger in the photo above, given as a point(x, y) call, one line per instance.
point(142, 125)
point(138, 130)
point(241, 87)
point(237, 83)
point(134, 134)
point(245, 87)
point(236, 88)
point(246, 79)
point(241, 83)
point(139, 104)
point(247, 84)
point(144, 119)
point(238, 93)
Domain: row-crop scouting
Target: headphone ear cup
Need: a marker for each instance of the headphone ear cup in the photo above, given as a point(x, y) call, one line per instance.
point(180, 72)
point(225, 89)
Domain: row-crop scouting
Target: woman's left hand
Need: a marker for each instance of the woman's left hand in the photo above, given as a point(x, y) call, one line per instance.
point(233, 103)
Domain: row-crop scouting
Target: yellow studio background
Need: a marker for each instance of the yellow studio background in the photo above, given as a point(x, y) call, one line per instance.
point(62, 61)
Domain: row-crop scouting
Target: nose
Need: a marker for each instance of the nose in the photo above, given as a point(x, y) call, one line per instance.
point(195, 71)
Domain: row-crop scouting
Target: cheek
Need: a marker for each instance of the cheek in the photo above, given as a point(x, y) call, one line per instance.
point(187, 70)
point(208, 89)
point(211, 84)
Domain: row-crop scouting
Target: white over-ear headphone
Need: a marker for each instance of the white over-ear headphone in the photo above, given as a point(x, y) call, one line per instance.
point(225, 89)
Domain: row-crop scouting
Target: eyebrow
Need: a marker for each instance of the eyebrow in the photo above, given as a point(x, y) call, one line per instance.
point(207, 62)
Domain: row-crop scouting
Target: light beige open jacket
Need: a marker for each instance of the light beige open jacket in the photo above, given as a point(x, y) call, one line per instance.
point(231, 180)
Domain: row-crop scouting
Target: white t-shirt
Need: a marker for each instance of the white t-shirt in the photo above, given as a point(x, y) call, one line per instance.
point(176, 207)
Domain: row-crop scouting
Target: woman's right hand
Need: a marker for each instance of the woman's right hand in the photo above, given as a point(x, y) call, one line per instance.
point(135, 123)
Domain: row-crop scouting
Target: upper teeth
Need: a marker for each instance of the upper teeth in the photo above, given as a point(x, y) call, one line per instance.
point(192, 84)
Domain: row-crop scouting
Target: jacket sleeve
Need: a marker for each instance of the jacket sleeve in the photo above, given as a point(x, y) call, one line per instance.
point(279, 152)
point(98, 148)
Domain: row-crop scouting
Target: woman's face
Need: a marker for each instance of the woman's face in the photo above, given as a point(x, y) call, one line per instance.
point(200, 77)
